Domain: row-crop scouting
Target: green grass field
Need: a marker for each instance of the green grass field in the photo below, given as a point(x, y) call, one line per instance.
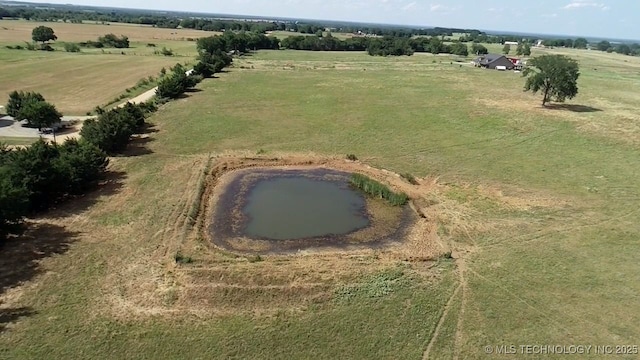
point(552, 263)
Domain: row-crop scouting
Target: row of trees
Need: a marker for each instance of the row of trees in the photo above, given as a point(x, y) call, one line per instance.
point(382, 46)
point(241, 42)
point(113, 129)
point(173, 85)
point(521, 49)
point(34, 178)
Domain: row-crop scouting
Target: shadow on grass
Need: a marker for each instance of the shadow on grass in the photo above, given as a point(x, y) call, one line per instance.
point(572, 108)
point(8, 316)
point(138, 146)
point(110, 185)
point(149, 129)
point(20, 259)
point(192, 90)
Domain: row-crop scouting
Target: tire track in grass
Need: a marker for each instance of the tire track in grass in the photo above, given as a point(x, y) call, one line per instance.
point(436, 332)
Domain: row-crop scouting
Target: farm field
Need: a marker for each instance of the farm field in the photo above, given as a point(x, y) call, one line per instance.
point(78, 82)
point(538, 208)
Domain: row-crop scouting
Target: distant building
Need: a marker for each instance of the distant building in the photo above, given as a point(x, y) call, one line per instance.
point(511, 43)
point(492, 61)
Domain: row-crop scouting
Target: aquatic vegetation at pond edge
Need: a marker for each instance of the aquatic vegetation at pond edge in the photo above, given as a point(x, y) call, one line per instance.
point(377, 189)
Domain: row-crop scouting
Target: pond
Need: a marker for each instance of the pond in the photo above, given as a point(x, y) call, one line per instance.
point(297, 207)
point(276, 210)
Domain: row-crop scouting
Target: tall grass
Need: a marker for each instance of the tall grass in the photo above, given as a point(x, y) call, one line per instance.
point(377, 189)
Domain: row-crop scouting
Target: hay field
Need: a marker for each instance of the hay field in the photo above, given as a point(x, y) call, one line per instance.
point(78, 82)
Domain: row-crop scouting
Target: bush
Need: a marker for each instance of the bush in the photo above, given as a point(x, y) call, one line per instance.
point(111, 40)
point(36, 177)
point(92, 44)
point(71, 47)
point(181, 259)
point(113, 129)
point(175, 84)
point(352, 157)
point(410, 178)
point(166, 52)
point(376, 189)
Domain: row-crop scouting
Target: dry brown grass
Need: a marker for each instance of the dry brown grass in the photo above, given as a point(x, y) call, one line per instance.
point(145, 283)
point(20, 30)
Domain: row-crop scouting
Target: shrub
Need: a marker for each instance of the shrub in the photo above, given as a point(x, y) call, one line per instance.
point(181, 259)
point(151, 45)
point(111, 40)
point(112, 130)
point(166, 52)
point(174, 85)
point(352, 157)
point(42, 174)
point(410, 178)
point(71, 47)
point(376, 189)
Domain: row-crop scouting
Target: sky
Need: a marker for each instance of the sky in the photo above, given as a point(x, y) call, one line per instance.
point(591, 18)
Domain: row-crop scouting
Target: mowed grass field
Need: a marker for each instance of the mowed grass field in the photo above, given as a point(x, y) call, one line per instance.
point(78, 82)
point(552, 263)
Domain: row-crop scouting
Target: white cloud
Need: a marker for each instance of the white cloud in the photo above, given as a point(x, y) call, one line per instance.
point(439, 8)
point(409, 6)
point(579, 4)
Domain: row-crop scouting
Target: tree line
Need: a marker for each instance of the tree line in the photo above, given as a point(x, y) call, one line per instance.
point(37, 177)
point(383, 46)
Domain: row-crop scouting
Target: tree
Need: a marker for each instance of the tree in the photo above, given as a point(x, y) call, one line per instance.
point(527, 50)
point(458, 48)
point(18, 99)
point(82, 165)
point(13, 202)
point(506, 49)
point(623, 49)
point(554, 75)
point(39, 114)
point(43, 34)
point(520, 49)
point(604, 45)
point(580, 43)
point(479, 49)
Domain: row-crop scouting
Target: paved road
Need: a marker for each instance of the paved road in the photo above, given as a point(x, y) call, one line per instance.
point(11, 128)
point(144, 97)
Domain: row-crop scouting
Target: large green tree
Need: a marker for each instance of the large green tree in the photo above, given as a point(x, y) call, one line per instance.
point(17, 99)
point(506, 49)
point(555, 76)
point(43, 34)
point(580, 43)
point(39, 114)
point(604, 45)
point(479, 49)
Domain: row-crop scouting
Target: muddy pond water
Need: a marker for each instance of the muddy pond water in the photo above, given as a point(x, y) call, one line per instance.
point(295, 207)
point(281, 210)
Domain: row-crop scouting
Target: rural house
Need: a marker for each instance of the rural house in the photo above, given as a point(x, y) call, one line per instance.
point(493, 61)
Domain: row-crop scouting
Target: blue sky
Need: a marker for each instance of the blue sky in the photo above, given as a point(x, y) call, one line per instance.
point(599, 18)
